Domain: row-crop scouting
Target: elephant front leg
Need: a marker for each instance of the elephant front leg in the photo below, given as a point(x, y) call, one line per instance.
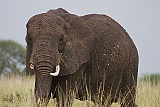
point(65, 97)
point(60, 98)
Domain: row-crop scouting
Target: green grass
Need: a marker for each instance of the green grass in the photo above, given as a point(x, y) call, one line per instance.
point(153, 78)
point(18, 92)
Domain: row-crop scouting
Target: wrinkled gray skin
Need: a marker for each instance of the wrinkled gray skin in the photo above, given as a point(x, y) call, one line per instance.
point(97, 58)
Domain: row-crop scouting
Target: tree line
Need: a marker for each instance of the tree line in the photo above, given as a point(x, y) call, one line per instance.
point(12, 57)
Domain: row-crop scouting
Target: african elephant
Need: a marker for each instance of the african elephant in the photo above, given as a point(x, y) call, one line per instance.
point(87, 57)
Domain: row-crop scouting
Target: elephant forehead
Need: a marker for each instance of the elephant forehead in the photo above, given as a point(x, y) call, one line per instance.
point(45, 21)
point(41, 27)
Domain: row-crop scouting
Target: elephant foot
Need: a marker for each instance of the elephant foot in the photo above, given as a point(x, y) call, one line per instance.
point(128, 103)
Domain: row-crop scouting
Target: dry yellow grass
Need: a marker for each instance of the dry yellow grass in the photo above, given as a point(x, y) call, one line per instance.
point(18, 92)
point(148, 95)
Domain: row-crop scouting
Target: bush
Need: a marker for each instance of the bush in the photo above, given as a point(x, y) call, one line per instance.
point(153, 79)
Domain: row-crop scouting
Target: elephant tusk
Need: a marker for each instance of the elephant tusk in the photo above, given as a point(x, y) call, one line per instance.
point(38, 102)
point(31, 66)
point(57, 71)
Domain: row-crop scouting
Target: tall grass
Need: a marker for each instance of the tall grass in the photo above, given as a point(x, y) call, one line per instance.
point(18, 92)
point(148, 95)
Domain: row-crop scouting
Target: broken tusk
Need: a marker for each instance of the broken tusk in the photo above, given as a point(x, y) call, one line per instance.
point(31, 66)
point(57, 71)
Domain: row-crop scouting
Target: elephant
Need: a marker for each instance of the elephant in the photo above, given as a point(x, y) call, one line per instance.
point(89, 57)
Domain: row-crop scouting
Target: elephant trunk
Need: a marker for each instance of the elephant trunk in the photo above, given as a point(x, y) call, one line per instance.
point(46, 62)
point(43, 79)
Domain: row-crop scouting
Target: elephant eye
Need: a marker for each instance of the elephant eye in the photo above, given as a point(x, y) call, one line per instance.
point(61, 39)
point(29, 39)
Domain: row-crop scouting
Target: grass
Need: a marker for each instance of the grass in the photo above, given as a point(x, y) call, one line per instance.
point(18, 92)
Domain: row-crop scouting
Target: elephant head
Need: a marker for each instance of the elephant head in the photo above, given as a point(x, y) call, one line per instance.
point(58, 43)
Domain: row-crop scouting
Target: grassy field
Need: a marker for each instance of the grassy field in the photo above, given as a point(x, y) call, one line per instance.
point(18, 92)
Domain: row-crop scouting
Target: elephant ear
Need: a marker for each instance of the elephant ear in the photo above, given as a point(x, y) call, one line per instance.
point(29, 71)
point(78, 45)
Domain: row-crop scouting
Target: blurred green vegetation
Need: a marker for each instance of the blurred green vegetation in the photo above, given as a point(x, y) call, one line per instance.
point(12, 57)
point(152, 78)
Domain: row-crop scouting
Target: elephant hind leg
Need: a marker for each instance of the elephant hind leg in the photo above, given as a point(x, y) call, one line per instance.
point(128, 92)
point(128, 97)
